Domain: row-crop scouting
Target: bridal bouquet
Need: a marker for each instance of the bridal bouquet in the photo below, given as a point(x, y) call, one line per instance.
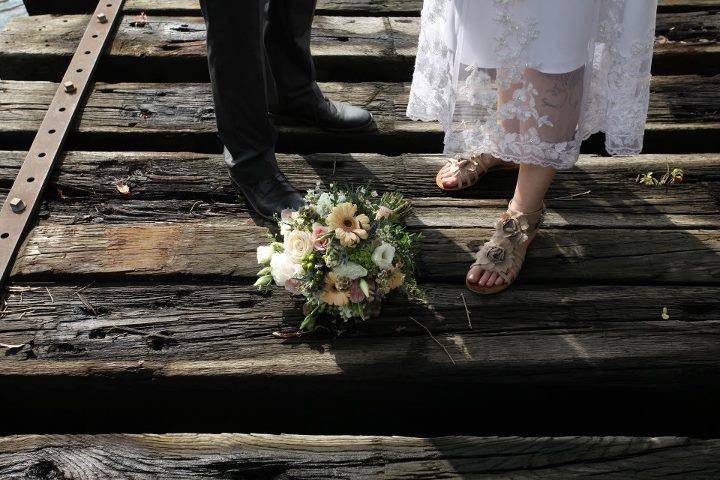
point(344, 252)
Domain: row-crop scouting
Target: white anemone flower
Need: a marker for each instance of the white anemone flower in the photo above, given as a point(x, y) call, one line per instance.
point(383, 256)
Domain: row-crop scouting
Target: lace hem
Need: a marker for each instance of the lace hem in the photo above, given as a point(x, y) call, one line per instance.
point(464, 98)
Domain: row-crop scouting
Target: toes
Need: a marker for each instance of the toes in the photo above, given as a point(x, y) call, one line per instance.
point(499, 280)
point(491, 279)
point(450, 182)
point(474, 275)
point(484, 279)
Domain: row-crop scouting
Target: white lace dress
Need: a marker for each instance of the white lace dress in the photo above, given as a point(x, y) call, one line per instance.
point(528, 80)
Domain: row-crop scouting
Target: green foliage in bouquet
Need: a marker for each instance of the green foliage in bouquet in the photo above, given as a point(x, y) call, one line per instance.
point(344, 252)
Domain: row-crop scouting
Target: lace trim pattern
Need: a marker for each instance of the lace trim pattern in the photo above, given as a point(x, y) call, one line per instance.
point(464, 98)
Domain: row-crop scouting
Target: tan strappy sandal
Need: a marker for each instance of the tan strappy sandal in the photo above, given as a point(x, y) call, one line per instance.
point(505, 252)
point(468, 171)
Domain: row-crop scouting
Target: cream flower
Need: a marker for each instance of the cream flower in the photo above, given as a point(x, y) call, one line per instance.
point(283, 268)
point(264, 253)
point(383, 256)
point(298, 244)
point(331, 295)
point(348, 228)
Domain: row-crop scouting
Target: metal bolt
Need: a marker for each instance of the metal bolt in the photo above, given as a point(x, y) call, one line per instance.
point(17, 205)
point(102, 18)
point(69, 87)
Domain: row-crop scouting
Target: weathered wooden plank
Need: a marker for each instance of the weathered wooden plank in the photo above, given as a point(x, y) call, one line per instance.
point(500, 377)
point(185, 186)
point(210, 345)
point(173, 48)
point(324, 7)
point(168, 48)
point(682, 117)
point(202, 456)
point(226, 248)
point(212, 320)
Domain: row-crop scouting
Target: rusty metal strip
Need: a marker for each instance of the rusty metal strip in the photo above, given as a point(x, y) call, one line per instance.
point(24, 197)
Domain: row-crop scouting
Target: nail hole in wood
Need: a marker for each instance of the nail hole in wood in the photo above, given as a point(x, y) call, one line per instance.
point(5, 235)
point(41, 155)
point(30, 179)
point(51, 131)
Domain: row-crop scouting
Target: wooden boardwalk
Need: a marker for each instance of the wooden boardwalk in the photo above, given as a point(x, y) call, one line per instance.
point(135, 313)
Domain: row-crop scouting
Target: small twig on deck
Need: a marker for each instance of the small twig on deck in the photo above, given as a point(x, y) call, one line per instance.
point(86, 304)
point(10, 346)
point(334, 165)
point(435, 339)
point(195, 205)
point(83, 288)
point(467, 310)
point(52, 300)
point(570, 197)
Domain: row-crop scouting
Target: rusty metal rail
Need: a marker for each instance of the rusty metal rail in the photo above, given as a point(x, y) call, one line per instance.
point(26, 192)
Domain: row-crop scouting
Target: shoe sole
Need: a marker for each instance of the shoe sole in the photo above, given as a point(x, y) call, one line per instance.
point(282, 120)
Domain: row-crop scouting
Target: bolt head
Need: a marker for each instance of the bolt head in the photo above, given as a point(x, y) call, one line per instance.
point(102, 18)
point(69, 87)
point(17, 205)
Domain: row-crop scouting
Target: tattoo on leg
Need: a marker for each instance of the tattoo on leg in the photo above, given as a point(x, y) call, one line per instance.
point(565, 90)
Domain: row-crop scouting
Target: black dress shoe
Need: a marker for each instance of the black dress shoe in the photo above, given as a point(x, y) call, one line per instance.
point(264, 186)
point(329, 115)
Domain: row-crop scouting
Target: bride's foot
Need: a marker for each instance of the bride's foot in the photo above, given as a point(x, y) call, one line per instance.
point(500, 259)
point(464, 173)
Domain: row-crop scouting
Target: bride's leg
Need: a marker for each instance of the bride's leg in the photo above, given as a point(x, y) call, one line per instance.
point(559, 97)
point(447, 174)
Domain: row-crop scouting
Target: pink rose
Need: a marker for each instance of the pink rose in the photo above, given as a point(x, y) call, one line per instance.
point(356, 294)
point(383, 212)
point(292, 285)
point(318, 231)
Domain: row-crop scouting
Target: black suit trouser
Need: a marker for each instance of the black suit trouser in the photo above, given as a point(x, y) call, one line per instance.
point(259, 58)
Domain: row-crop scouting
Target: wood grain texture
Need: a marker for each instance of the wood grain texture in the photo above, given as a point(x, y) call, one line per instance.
point(182, 186)
point(226, 248)
point(171, 48)
point(166, 320)
point(161, 338)
point(197, 456)
point(682, 117)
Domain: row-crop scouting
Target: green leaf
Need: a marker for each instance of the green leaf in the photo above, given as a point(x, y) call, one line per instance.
point(308, 324)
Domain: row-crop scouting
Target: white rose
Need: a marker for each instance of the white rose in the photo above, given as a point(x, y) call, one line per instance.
point(350, 270)
point(383, 256)
point(298, 244)
point(264, 253)
point(283, 268)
